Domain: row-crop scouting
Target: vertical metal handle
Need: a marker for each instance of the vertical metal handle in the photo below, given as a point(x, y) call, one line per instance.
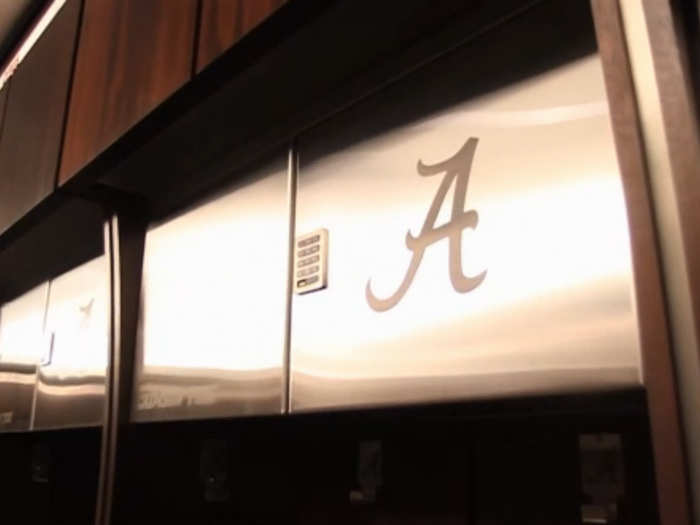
point(47, 358)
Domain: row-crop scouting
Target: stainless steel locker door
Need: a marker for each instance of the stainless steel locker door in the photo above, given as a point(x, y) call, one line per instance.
point(213, 305)
point(21, 345)
point(71, 378)
point(478, 251)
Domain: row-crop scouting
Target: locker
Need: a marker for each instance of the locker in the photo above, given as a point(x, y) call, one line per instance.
point(71, 377)
point(478, 243)
point(212, 323)
point(21, 345)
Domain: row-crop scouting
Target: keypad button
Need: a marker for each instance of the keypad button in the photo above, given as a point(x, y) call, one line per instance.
point(311, 240)
point(307, 261)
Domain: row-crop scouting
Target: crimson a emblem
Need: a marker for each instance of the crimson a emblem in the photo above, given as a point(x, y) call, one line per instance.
point(457, 168)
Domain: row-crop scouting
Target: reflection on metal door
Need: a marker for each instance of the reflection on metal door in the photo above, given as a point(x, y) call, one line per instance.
point(71, 385)
point(518, 279)
point(21, 345)
point(213, 305)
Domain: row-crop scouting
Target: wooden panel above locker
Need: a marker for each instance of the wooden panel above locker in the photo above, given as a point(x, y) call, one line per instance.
point(133, 54)
point(34, 118)
point(223, 22)
point(3, 98)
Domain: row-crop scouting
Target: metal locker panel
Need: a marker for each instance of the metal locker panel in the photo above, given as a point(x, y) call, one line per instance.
point(212, 322)
point(21, 345)
point(476, 250)
point(72, 372)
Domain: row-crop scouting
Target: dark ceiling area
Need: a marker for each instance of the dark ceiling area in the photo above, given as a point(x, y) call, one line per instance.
point(15, 17)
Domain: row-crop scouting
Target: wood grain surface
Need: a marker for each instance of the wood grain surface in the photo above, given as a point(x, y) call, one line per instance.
point(224, 22)
point(132, 55)
point(34, 118)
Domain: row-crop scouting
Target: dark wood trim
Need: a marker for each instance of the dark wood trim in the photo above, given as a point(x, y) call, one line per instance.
point(124, 240)
point(34, 117)
point(679, 110)
point(30, 25)
point(224, 22)
point(3, 104)
point(664, 412)
point(132, 56)
point(69, 93)
point(197, 37)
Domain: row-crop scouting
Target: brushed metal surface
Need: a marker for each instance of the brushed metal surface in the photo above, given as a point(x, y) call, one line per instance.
point(476, 250)
point(21, 346)
point(212, 324)
point(71, 377)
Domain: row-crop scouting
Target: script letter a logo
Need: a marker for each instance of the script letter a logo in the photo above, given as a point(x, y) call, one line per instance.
point(456, 168)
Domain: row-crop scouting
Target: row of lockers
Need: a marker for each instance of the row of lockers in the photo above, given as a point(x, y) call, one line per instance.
point(467, 249)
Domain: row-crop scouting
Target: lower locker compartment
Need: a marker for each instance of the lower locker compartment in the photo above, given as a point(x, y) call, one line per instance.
point(49, 478)
point(469, 465)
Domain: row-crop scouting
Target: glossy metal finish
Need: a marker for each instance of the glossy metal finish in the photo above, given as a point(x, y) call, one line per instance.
point(71, 379)
point(21, 345)
point(515, 275)
point(212, 324)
